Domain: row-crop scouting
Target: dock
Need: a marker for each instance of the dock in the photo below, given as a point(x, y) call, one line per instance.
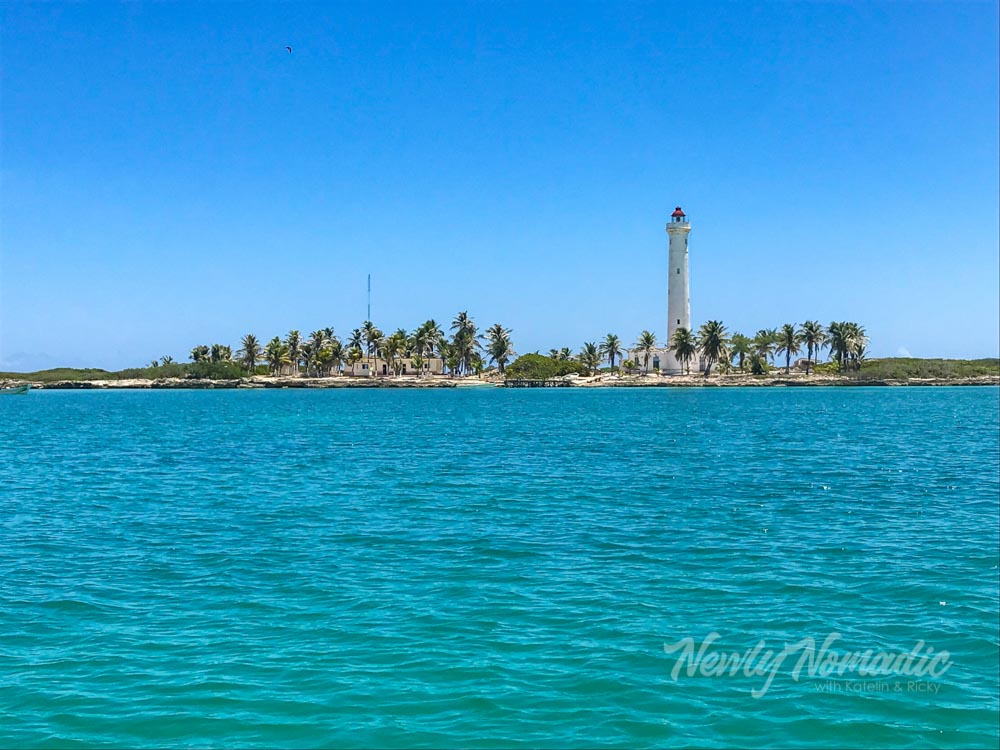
point(541, 383)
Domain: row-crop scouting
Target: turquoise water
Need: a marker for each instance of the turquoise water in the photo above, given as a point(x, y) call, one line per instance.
point(492, 568)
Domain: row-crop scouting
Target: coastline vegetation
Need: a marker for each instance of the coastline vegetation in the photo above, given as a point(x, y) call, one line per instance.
point(465, 351)
point(891, 368)
point(541, 367)
point(903, 368)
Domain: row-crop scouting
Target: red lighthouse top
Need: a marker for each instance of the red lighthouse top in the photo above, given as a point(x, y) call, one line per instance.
point(677, 213)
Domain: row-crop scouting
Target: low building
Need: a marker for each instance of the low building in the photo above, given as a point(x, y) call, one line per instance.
point(660, 359)
point(379, 367)
point(803, 364)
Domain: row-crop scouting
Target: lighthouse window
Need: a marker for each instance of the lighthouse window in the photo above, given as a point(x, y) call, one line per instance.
point(678, 270)
point(678, 321)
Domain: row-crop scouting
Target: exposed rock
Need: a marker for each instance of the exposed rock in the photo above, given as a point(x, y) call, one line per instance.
point(615, 381)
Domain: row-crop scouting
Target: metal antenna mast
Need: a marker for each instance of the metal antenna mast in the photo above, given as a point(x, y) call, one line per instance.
point(369, 297)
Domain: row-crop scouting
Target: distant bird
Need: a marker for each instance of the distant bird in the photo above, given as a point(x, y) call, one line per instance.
point(289, 50)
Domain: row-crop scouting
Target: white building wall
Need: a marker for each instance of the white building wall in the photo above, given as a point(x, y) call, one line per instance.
point(380, 367)
point(662, 357)
point(657, 358)
point(678, 287)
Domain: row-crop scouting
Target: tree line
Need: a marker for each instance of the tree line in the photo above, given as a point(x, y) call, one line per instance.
point(463, 350)
point(847, 343)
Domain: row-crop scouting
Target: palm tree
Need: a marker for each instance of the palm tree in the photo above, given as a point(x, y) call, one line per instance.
point(373, 338)
point(763, 342)
point(500, 352)
point(476, 364)
point(216, 353)
point(814, 337)
point(758, 364)
point(311, 351)
point(646, 344)
point(407, 340)
point(367, 331)
point(840, 337)
point(420, 341)
point(775, 337)
point(354, 355)
point(740, 346)
point(425, 341)
point(465, 341)
point(684, 346)
point(394, 348)
point(611, 348)
point(309, 357)
point(446, 353)
point(199, 353)
point(713, 343)
point(376, 344)
point(497, 331)
point(788, 344)
point(250, 354)
point(276, 355)
point(857, 343)
point(590, 357)
point(499, 347)
point(336, 350)
point(321, 360)
point(356, 339)
point(294, 343)
point(166, 360)
point(433, 330)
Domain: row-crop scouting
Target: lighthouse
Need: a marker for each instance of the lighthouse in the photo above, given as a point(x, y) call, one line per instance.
point(678, 291)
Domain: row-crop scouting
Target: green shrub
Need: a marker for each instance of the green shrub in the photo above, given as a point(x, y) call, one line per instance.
point(203, 370)
point(912, 367)
point(540, 367)
point(901, 368)
point(59, 373)
point(174, 370)
point(215, 371)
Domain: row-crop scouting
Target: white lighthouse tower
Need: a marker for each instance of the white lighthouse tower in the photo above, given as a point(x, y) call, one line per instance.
point(678, 290)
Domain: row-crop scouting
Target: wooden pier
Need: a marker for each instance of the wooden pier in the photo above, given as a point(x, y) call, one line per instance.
point(527, 383)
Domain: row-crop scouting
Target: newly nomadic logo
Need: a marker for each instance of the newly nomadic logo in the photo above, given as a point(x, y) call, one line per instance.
point(824, 663)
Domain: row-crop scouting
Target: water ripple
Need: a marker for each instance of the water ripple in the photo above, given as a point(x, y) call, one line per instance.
point(500, 568)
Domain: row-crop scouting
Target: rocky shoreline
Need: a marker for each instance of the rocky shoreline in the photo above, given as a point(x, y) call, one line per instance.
point(600, 381)
point(256, 382)
point(773, 381)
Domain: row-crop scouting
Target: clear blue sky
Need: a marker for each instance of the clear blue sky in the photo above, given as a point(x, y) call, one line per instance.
point(172, 176)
